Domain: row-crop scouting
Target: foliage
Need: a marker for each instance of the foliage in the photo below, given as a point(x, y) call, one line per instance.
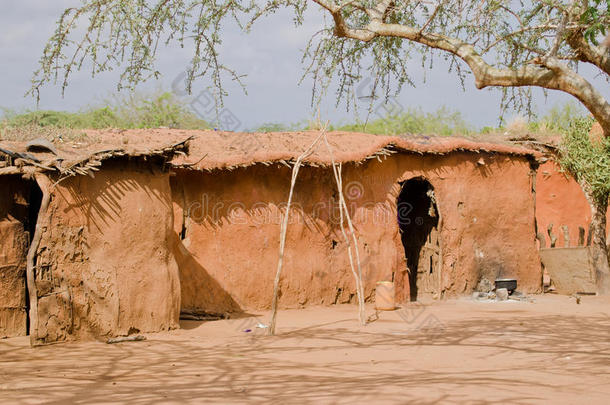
point(133, 111)
point(442, 122)
point(279, 127)
point(445, 122)
point(559, 119)
point(513, 45)
point(414, 121)
point(95, 118)
point(164, 110)
point(556, 122)
point(588, 161)
point(594, 22)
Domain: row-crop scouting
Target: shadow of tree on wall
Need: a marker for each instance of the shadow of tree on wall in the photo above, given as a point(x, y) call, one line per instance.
point(94, 227)
point(308, 364)
point(241, 207)
point(101, 200)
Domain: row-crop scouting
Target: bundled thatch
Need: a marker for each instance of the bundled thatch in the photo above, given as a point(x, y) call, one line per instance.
point(218, 150)
point(16, 158)
point(228, 150)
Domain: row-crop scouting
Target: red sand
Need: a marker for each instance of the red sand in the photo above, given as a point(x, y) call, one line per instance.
point(550, 351)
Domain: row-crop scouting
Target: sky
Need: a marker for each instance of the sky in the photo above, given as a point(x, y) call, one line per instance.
point(270, 57)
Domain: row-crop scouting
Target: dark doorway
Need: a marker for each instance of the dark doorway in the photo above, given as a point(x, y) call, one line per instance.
point(418, 219)
point(20, 202)
point(33, 204)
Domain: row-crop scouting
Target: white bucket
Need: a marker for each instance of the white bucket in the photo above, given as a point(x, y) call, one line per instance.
point(385, 296)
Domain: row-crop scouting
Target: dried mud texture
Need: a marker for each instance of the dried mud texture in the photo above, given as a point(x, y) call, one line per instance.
point(13, 251)
point(103, 265)
point(227, 229)
point(560, 201)
point(210, 150)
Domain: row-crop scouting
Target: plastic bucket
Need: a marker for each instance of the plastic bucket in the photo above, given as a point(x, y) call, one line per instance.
point(385, 296)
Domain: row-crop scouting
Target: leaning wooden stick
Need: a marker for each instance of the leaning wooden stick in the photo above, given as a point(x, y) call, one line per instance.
point(344, 213)
point(44, 184)
point(284, 227)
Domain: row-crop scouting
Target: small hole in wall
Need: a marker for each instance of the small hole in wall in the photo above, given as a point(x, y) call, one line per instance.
point(334, 244)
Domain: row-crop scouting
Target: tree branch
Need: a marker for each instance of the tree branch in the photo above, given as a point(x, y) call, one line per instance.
point(549, 73)
point(342, 30)
point(561, 30)
point(596, 55)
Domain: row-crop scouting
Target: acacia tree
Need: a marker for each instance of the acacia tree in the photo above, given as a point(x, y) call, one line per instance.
point(510, 44)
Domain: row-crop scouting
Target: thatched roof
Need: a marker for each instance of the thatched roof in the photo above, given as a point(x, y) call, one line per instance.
point(212, 150)
point(66, 160)
point(218, 150)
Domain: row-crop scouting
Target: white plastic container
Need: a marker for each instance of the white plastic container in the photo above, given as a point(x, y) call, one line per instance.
point(385, 296)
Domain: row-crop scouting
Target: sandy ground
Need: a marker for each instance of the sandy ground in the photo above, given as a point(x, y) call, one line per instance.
point(450, 352)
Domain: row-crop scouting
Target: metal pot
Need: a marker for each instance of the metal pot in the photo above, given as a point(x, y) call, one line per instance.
point(509, 283)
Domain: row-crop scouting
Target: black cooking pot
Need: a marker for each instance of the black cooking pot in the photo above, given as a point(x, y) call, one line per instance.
point(509, 283)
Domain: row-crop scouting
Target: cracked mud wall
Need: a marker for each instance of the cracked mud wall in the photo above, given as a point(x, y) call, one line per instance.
point(14, 240)
point(103, 267)
point(561, 202)
point(227, 229)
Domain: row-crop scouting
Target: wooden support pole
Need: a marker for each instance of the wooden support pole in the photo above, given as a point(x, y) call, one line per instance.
point(284, 227)
point(45, 184)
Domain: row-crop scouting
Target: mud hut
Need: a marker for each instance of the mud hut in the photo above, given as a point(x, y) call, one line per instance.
point(156, 228)
point(85, 235)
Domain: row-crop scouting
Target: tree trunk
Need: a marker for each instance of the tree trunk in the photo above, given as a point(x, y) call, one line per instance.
point(599, 247)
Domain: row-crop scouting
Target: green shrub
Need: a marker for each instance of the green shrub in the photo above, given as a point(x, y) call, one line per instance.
point(132, 111)
point(558, 119)
point(442, 122)
point(587, 161)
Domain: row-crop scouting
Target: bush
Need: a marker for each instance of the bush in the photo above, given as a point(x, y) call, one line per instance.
point(559, 119)
point(132, 111)
point(587, 161)
point(278, 127)
point(414, 121)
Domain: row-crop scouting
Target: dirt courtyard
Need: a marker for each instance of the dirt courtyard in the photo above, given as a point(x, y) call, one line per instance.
point(456, 351)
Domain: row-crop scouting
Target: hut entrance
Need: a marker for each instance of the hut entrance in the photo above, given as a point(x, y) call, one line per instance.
point(418, 219)
point(19, 205)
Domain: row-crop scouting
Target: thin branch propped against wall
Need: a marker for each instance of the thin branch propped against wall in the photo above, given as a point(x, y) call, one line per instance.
point(344, 215)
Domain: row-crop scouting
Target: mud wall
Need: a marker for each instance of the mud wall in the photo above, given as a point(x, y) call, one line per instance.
point(227, 229)
point(103, 266)
point(560, 201)
point(14, 241)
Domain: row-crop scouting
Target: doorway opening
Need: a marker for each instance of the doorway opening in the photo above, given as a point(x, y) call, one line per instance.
point(418, 220)
point(34, 202)
point(20, 202)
